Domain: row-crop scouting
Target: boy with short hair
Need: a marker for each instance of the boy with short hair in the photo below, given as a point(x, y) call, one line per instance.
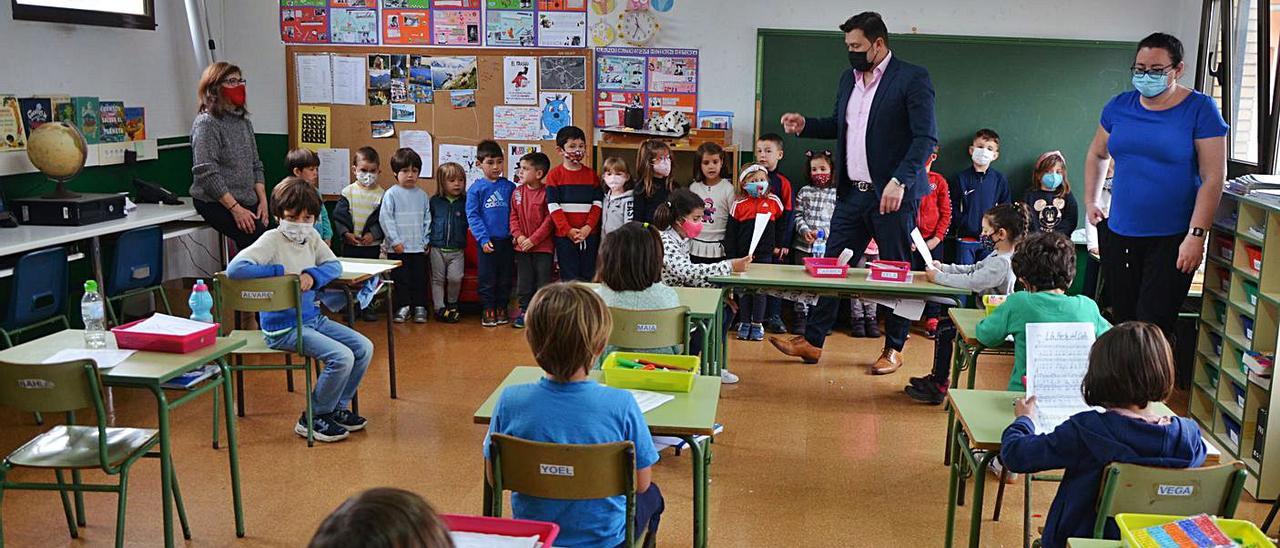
point(489, 216)
point(531, 225)
point(356, 217)
point(768, 153)
point(978, 189)
point(568, 327)
point(294, 247)
point(305, 164)
point(406, 220)
point(574, 198)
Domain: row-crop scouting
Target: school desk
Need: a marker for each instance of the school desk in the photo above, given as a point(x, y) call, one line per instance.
point(706, 315)
point(855, 284)
point(689, 414)
point(983, 416)
point(965, 356)
point(350, 283)
point(150, 370)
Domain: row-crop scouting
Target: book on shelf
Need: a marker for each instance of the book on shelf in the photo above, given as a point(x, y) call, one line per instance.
point(1258, 363)
point(12, 136)
point(135, 123)
point(36, 111)
point(111, 121)
point(87, 118)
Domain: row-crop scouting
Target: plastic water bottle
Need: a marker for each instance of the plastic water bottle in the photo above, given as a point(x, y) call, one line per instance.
point(201, 302)
point(94, 316)
point(820, 245)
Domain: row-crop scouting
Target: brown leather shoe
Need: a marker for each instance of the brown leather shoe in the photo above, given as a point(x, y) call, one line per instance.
point(797, 346)
point(889, 362)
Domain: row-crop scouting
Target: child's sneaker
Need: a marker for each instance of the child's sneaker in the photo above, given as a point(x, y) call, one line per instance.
point(402, 314)
point(920, 382)
point(349, 420)
point(519, 321)
point(489, 319)
point(325, 429)
point(442, 315)
point(744, 331)
point(451, 313)
point(873, 328)
point(773, 324)
point(929, 392)
point(931, 328)
point(501, 316)
point(419, 314)
point(997, 468)
point(727, 377)
point(757, 332)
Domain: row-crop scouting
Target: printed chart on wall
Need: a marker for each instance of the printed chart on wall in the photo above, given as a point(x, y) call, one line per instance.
point(399, 22)
point(659, 80)
point(406, 22)
point(541, 23)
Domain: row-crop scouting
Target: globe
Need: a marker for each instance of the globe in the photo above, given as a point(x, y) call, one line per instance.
point(58, 150)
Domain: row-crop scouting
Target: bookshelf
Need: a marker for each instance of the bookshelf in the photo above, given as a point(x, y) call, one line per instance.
point(1240, 312)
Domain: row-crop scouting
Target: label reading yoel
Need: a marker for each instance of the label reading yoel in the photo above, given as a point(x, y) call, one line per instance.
point(555, 470)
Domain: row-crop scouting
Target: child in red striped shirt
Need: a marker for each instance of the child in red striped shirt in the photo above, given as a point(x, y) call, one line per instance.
point(574, 199)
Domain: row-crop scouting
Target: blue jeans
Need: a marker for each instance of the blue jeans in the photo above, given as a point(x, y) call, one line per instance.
point(970, 252)
point(495, 271)
point(577, 261)
point(649, 507)
point(344, 352)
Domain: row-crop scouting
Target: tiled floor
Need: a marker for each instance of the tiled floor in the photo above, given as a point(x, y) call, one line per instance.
point(811, 455)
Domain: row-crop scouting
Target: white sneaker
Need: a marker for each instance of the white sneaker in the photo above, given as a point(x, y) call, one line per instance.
point(727, 377)
point(995, 467)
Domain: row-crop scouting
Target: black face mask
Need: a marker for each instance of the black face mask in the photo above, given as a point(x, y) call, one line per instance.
point(860, 60)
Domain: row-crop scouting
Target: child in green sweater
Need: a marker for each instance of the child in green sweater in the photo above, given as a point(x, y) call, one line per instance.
point(1045, 263)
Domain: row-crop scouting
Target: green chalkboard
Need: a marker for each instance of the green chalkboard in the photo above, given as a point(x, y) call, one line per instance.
point(1039, 95)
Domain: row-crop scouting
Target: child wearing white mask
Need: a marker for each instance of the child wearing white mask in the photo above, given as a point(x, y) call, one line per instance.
point(356, 218)
point(619, 195)
point(718, 196)
point(653, 178)
point(978, 189)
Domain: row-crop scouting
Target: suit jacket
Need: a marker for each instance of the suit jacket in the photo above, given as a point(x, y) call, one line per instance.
point(901, 129)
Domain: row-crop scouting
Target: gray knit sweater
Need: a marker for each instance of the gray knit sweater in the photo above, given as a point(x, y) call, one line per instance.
point(224, 158)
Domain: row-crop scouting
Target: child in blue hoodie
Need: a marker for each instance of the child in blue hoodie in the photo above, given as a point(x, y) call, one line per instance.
point(1130, 366)
point(489, 215)
point(295, 247)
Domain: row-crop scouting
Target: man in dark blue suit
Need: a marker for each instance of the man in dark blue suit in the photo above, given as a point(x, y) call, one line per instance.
point(884, 128)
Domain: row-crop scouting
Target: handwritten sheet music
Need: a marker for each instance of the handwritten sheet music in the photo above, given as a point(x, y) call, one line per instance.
point(1057, 359)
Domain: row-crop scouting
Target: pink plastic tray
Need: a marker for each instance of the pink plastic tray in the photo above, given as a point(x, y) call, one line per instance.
point(890, 271)
point(164, 343)
point(825, 267)
point(545, 530)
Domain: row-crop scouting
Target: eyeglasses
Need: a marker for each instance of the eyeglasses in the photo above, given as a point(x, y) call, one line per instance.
point(1153, 71)
point(234, 82)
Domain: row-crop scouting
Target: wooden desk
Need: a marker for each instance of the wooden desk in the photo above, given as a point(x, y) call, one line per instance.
point(706, 314)
point(794, 277)
point(689, 414)
point(150, 370)
point(349, 283)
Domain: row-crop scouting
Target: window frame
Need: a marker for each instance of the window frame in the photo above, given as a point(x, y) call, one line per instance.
point(47, 14)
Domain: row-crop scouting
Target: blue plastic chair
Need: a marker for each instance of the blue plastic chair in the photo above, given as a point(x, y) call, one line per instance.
point(137, 268)
point(39, 293)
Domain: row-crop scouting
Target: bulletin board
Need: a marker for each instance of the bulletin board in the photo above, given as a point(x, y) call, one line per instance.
point(349, 125)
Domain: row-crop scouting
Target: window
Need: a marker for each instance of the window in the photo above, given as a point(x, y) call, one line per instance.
point(132, 14)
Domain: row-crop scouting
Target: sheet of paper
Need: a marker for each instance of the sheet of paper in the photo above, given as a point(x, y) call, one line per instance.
point(348, 80)
point(520, 80)
point(468, 539)
point(104, 357)
point(463, 155)
point(911, 309)
point(1057, 359)
point(420, 142)
point(515, 151)
point(164, 324)
point(517, 123)
point(921, 246)
point(313, 127)
point(762, 222)
point(335, 172)
point(649, 401)
point(315, 79)
point(353, 267)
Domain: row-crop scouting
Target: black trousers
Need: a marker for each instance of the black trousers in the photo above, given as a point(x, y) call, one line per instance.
point(1141, 280)
point(495, 272)
point(533, 270)
point(361, 251)
point(856, 221)
point(410, 278)
point(221, 220)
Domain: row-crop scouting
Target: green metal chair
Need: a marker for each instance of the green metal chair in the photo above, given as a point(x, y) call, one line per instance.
point(67, 387)
point(1131, 488)
point(599, 471)
point(649, 328)
point(260, 295)
point(137, 269)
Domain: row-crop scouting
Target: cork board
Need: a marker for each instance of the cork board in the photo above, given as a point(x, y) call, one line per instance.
point(447, 125)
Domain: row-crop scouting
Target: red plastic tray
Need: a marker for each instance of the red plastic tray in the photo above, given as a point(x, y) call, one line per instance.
point(1255, 257)
point(545, 530)
point(890, 271)
point(825, 267)
point(164, 343)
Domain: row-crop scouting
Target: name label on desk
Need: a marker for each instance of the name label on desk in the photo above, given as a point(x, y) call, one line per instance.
point(646, 328)
point(555, 470)
point(1175, 490)
point(41, 384)
point(257, 295)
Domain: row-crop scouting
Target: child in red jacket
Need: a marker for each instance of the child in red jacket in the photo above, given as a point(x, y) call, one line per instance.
point(933, 220)
point(531, 227)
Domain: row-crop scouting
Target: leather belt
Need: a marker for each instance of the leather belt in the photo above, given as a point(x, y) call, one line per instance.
point(862, 186)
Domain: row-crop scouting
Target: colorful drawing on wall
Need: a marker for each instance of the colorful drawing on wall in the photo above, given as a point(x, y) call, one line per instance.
point(509, 28)
point(662, 5)
point(673, 74)
point(406, 27)
point(603, 34)
point(620, 72)
point(563, 73)
point(611, 106)
point(557, 29)
point(515, 151)
point(517, 123)
point(449, 73)
point(411, 4)
point(659, 80)
point(313, 3)
point(557, 112)
point(353, 26)
point(520, 80)
point(456, 27)
point(304, 25)
point(352, 3)
point(662, 103)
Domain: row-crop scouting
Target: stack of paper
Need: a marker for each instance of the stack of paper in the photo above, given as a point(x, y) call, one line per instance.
point(468, 539)
point(649, 401)
point(164, 324)
point(355, 267)
point(104, 357)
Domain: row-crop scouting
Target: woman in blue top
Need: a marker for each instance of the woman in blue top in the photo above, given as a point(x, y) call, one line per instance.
point(1170, 147)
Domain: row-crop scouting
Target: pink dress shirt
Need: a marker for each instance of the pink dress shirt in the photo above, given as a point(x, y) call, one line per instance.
point(856, 116)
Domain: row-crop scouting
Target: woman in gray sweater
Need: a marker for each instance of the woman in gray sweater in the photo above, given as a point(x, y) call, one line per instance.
point(228, 187)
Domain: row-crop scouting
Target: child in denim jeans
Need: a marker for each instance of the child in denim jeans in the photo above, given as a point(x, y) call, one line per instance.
point(295, 248)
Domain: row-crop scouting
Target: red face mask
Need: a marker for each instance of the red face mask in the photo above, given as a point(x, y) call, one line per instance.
point(820, 179)
point(234, 94)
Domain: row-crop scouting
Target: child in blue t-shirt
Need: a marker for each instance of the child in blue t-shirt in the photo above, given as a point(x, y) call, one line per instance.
point(489, 217)
point(568, 325)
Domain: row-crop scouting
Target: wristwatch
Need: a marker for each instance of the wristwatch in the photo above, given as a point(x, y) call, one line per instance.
point(895, 181)
point(1197, 232)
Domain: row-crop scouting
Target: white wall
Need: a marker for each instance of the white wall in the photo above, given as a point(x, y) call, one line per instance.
point(153, 69)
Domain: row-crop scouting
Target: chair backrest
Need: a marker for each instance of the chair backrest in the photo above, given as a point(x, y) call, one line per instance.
point(139, 260)
point(39, 289)
point(49, 388)
point(1132, 488)
point(648, 328)
point(257, 294)
point(562, 471)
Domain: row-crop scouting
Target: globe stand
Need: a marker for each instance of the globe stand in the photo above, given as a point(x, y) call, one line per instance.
point(60, 191)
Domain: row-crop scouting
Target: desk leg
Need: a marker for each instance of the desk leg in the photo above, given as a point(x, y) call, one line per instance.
point(700, 455)
point(391, 338)
point(351, 322)
point(979, 485)
point(166, 463)
point(953, 485)
point(233, 448)
point(957, 363)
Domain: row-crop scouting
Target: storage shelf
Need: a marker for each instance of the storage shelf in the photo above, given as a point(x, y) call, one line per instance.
point(1218, 260)
point(1238, 377)
point(1248, 274)
point(1249, 238)
point(1232, 409)
point(1209, 357)
point(1243, 308)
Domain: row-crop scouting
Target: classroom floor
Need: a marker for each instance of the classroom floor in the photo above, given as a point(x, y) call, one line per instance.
point(811, 455)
